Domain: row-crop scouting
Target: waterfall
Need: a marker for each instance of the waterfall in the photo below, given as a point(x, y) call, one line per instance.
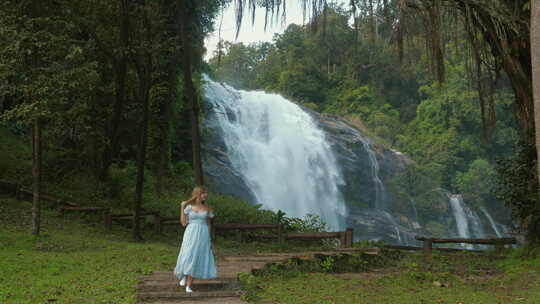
point(491, 221)
point(380, 192)
point(468, 222)
point(269, 151)
point(381, 200)
point(462, 224)
point(280, 152)
point(416, 224)
point(476, 224)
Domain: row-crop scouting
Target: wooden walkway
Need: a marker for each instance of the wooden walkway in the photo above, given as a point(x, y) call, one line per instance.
point(162, 287)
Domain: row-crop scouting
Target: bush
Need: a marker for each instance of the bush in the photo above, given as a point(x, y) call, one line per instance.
point(518, 188)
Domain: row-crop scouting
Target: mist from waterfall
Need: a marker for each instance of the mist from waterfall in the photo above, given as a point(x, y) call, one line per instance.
point(280, 152)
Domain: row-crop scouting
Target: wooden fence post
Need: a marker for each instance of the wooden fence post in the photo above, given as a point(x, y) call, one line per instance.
point(18, 195)
point(159, 228)
point(212, 229)
point(280, 233)
point(106, 215)
point(343, 239)
point(348, 238)
point(499, 247)
point(157, 221)
point(108, 222)
point(18, 192)
point(428, 246)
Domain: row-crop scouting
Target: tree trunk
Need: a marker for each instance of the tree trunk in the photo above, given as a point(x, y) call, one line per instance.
point(168, 63)
point(36, 176)
point(141, 155)
point(165, 147)
point(190, 92)
point(120, 68)
point(144, 72)
point(535, 61)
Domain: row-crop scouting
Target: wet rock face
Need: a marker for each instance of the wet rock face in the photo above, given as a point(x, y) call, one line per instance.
point(349, 147)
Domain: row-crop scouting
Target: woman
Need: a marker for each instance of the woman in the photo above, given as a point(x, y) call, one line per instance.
point(196, 259)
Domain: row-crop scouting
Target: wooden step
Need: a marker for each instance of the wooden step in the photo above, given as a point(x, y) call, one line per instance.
point(264, 259)
point(168, 276)
point(208, 285)
point(283, 256)
point(151, 296)
point(227, 300)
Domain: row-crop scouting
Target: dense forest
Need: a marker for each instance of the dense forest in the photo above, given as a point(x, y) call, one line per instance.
point(78, 77)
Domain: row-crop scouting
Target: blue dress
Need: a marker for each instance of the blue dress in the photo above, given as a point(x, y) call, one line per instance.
point(196, 258)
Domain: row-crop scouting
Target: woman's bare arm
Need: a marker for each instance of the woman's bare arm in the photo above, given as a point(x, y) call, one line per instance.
point(183, 217)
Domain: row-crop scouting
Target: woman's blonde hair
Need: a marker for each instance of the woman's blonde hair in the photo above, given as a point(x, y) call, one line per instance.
point(196, 194)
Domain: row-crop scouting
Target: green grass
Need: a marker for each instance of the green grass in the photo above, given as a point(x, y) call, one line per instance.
point(75, 260)
point(455, 278)
point(72, 261)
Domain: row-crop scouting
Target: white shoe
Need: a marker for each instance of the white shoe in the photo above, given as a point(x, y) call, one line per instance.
point(182, 281)
point(188, 289)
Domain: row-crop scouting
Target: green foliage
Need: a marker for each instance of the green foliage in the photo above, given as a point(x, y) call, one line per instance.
point(477, 182)
point(517, 186)
point(232, 210)
point(15, 158)
point(310, 223)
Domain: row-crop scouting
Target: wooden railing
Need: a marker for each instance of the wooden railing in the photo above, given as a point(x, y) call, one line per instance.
point(345, 237)
point(129, 217)
point(9, 187)
point(498, 242)
point(242, 228)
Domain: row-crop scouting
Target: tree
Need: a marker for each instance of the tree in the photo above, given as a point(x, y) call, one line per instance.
point(535, 56)
point(142, 60)
point(165, 87)
point(120, 63)
point(193, 25)
point(42, 68)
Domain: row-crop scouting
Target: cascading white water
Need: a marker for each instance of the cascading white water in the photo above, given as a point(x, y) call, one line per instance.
point(380, 192)
point(416, 224)
point(476, 224)
point(381, 200)
point(280, 152)
point(468, 222)
point(491, 221)
point(462, 224)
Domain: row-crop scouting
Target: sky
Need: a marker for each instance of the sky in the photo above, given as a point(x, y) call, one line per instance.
point(253, 33)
